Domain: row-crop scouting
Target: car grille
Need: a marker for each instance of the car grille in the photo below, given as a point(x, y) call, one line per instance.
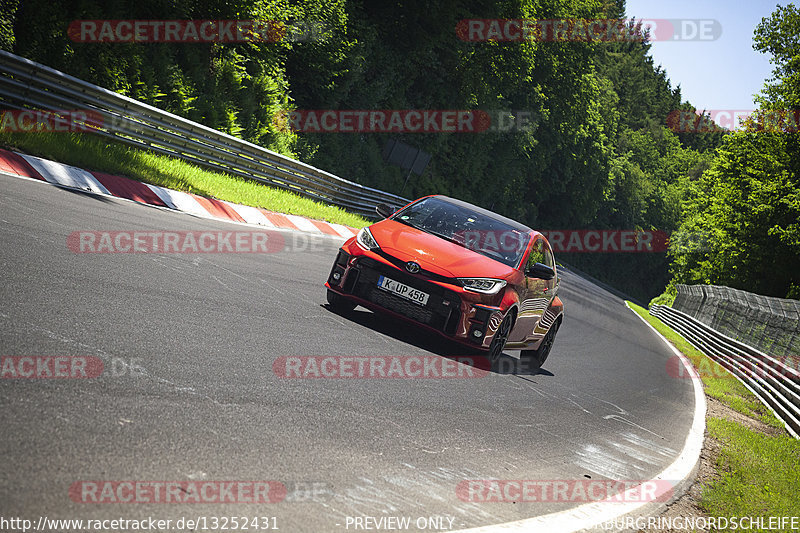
point(401, 305)
point(441, 312)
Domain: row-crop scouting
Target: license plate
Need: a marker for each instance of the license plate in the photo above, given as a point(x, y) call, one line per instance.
point(403, 290)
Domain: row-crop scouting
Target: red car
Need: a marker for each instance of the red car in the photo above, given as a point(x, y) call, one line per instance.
point(467, 273)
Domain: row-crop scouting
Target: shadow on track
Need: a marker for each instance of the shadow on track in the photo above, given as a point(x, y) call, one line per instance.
point(436, 344)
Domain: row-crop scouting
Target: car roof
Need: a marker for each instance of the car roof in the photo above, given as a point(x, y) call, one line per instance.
point(485, 212)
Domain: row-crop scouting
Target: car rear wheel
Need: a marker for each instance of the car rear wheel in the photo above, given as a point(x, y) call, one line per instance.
point(339, 303)
point(537, 357)
point(500, 338)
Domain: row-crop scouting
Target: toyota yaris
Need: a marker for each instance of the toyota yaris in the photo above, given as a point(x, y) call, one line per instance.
point(467, 273)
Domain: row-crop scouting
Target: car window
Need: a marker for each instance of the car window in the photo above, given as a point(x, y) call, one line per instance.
point(548, 257)
point(537, 253)
point(481, 233)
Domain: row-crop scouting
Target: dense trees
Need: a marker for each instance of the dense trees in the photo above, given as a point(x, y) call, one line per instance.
point(747, 204)
point(598, 152)
point(236, 88)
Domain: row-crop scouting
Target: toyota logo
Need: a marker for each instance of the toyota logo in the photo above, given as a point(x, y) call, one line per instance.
point(412, 267)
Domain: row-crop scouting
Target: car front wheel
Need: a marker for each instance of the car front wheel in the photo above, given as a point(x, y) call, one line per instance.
point(339, 303)
point(500, 338)
point(538, 356)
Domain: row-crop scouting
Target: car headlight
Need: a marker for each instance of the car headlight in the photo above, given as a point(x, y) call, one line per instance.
point(365, 239)
point(484, 285)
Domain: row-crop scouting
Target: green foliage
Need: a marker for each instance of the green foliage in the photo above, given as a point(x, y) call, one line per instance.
point(665, 298)
point(746, 206)
point(778, 35)
point(233, 87)
point(7, 14)
point(600, 152)
point(410, 58)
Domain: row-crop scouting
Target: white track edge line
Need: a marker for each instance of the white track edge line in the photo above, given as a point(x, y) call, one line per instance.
point(593, 514)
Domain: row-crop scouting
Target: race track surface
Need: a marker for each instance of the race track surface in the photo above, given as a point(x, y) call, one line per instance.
point(188, 391)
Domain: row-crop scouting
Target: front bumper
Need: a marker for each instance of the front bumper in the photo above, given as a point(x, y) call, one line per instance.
point(447, 312)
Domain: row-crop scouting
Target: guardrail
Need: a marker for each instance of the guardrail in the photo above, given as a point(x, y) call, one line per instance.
point(770, 324)
point(774, 383)
point(25, 84)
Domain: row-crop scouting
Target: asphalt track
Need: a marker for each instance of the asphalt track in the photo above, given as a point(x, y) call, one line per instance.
point(205, 330)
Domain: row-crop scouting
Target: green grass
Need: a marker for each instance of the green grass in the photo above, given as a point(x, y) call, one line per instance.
point(760, 474)
point(94, 153)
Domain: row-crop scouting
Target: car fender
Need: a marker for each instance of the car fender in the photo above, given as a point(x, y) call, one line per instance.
point(510, 301)
point(557, 306)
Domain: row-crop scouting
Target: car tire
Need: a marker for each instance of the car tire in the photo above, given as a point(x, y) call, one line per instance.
point(500, 337)
point(339, 303)
point(537, 357)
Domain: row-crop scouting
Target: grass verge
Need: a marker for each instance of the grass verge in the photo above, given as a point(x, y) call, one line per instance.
point(757, 474)
point(93, 153)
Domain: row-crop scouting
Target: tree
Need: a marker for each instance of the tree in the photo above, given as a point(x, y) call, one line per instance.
point(232, 87)
point(747, 205)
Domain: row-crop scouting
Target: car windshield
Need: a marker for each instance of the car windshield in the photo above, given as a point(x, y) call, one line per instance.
point(473, 230)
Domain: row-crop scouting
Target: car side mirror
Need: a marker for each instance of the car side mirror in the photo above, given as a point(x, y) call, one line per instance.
point(541, 271)
point(385, 210)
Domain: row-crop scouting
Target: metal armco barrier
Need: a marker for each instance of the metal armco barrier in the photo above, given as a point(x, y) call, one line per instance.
point(770, 324)
point(25, 84)
point(774, 383)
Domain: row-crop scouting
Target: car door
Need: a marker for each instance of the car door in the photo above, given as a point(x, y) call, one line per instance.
point(549, 291)
point(534, 297)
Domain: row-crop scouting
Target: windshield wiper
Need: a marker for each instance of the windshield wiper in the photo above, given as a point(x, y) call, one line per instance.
point(426, 230)
point(445, 237)
point(407, 223)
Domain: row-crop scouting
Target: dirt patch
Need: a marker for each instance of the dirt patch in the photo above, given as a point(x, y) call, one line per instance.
point(717, 409)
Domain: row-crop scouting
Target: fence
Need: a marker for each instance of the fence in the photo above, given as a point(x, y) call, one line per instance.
point(770, 324)
point(774, 383)
point(25, 84)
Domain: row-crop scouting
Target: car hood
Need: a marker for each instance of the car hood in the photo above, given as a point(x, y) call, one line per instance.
point(435, 254)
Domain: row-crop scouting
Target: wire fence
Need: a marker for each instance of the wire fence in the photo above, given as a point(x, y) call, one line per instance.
point(770, 324)
point(775, 383)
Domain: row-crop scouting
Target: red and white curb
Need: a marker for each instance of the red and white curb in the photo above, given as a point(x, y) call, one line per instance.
point(585, 517)
point(29, 166)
